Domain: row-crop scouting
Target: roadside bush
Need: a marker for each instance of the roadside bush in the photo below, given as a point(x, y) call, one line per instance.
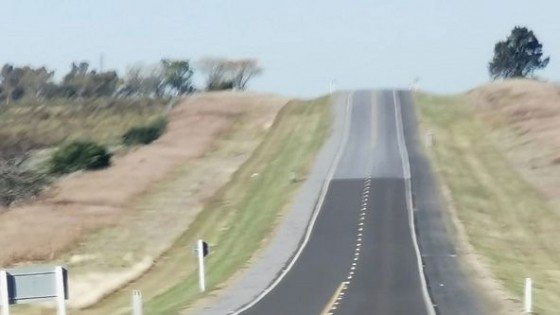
point(145, 134)
point(79, 155)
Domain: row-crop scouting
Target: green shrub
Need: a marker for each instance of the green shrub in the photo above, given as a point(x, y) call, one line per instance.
point(145, 134)
point(79, 155)
point(220, 85)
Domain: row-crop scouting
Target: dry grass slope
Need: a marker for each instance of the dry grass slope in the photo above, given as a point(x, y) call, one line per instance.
point(120, 219)
point(525, 120)
point(238, 220)
point(481, 151)
point(56, 121)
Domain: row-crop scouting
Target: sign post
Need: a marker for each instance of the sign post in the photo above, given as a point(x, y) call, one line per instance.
point(201, 251)
point(60, 291)
point(4, 295)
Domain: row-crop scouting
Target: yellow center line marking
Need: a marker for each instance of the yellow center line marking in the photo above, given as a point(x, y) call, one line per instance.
point(334, 298)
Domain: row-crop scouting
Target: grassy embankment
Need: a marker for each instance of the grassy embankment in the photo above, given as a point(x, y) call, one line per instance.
point(239, 220)
point(508, 222)
point(53, 122)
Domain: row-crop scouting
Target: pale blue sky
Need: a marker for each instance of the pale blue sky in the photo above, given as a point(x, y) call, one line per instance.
point(301, 44)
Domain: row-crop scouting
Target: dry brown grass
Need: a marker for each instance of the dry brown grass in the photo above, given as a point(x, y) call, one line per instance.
point(88, 201)
point(52, 122)
point(493, 151)
point(139, 207)
point(525, 117)
point(245, 211)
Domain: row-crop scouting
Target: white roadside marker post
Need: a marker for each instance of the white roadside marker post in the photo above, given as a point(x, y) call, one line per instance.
point(136, 302)
point(201, 253)
point(4, 295)
point(528, 296)
point(60, 292)
point(429, 138)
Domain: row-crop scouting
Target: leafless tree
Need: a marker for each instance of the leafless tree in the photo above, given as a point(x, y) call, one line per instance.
point(215, 70)
point(224, 73)
point(85, 83)
point(143, 80)
point(18, 183)
point(244, 70)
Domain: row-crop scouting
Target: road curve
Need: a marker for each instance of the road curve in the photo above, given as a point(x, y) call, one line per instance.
point(362, 256)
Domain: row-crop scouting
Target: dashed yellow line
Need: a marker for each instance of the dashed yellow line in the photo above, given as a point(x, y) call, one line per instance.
point(333, 302)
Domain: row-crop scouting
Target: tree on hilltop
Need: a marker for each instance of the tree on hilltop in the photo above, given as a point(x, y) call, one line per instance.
point(226, 74)
point(177, 76)
point(518, 56)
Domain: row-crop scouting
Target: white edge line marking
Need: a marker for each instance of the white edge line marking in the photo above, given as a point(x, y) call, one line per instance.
point(319, 205)
point(407, 176)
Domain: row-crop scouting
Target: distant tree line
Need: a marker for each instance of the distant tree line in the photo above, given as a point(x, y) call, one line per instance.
point(169, 78)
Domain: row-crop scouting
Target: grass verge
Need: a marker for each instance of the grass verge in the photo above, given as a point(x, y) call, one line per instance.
point(512, 227)
point(238, 221)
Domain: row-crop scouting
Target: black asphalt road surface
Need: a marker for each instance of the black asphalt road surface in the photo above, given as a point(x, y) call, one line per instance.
point(361, 254)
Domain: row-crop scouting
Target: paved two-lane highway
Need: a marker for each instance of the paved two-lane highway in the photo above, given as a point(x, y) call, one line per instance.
point(362, 256)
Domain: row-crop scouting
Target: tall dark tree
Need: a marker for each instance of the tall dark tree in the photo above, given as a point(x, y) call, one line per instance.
point(518, 56)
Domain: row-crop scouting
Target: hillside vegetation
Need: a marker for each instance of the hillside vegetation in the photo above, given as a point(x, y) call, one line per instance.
point(31, 130)
point(491, 149)
point(37, 125)
point(123, 218)
point(239, 219)
point(40, 110)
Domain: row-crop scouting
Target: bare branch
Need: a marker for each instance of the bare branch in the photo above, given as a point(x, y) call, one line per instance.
point(16, 183)
point(224, 73)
